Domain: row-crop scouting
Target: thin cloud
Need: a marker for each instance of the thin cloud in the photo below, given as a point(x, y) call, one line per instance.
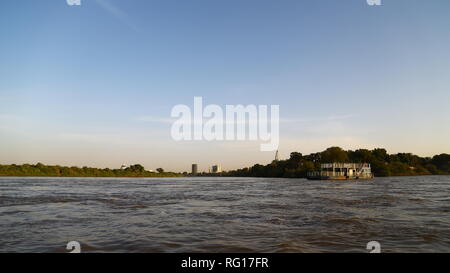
point(93, 138)
point(117, 13)
point(318, 119)
point(154, 119)
point(340, 117)
point(151, 119)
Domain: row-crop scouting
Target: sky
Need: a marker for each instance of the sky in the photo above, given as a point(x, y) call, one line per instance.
point(94, 85)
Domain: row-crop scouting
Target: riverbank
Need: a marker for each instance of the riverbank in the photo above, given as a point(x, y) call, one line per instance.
point(41, 170)
point(382, 164)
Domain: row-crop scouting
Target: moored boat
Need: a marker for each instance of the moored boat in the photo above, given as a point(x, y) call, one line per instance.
point(342, 171)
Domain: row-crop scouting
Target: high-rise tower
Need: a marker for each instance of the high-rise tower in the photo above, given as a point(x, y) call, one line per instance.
point(194, 169)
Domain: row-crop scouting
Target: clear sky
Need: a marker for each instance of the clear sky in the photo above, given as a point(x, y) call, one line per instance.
point(94, 84)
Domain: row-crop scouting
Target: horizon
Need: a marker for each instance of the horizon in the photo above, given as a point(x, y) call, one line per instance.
point(208, 167)
point(94, 85)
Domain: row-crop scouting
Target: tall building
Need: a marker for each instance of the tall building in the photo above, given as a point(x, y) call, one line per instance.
point(194, 169)
point(216, 169)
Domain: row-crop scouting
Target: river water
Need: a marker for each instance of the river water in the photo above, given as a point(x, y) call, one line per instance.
point(403, 214)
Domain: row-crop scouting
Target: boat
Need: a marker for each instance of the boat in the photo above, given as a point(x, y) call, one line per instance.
point(342, 171)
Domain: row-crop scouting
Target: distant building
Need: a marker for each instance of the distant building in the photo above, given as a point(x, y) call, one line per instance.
point(276, 156)
point(194, 169)
point(216, 169)
point(123, 167)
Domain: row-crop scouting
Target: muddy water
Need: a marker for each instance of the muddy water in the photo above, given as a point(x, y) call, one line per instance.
point(404, 214)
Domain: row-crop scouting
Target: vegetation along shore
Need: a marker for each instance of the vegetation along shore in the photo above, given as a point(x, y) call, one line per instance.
point(383, 164)
point(296, 166)
point(59, 171)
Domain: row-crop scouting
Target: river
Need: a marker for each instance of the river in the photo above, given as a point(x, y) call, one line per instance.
point(214, 214)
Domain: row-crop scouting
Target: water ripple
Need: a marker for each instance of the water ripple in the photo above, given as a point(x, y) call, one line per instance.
point(405, 214)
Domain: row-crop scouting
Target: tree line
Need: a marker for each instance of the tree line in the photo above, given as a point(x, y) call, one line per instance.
point(383, 164)
point(296, 166)
point(40, 169)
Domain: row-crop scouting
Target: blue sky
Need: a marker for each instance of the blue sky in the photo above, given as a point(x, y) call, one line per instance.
point(94, 84)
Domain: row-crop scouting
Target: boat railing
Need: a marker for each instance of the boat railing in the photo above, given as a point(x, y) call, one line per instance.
point(337, 174)
point(345, 165)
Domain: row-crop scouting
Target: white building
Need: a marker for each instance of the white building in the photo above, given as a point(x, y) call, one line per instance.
point(216, 169)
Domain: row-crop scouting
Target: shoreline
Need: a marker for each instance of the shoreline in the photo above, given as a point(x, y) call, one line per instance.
point(204, 176)
point(49, 176)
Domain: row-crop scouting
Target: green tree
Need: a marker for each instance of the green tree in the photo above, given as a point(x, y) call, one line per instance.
point(442, 162)
point(334, 154)
point(380, 154)
point(294, 161)
point(380, 168)
point(136, 168)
